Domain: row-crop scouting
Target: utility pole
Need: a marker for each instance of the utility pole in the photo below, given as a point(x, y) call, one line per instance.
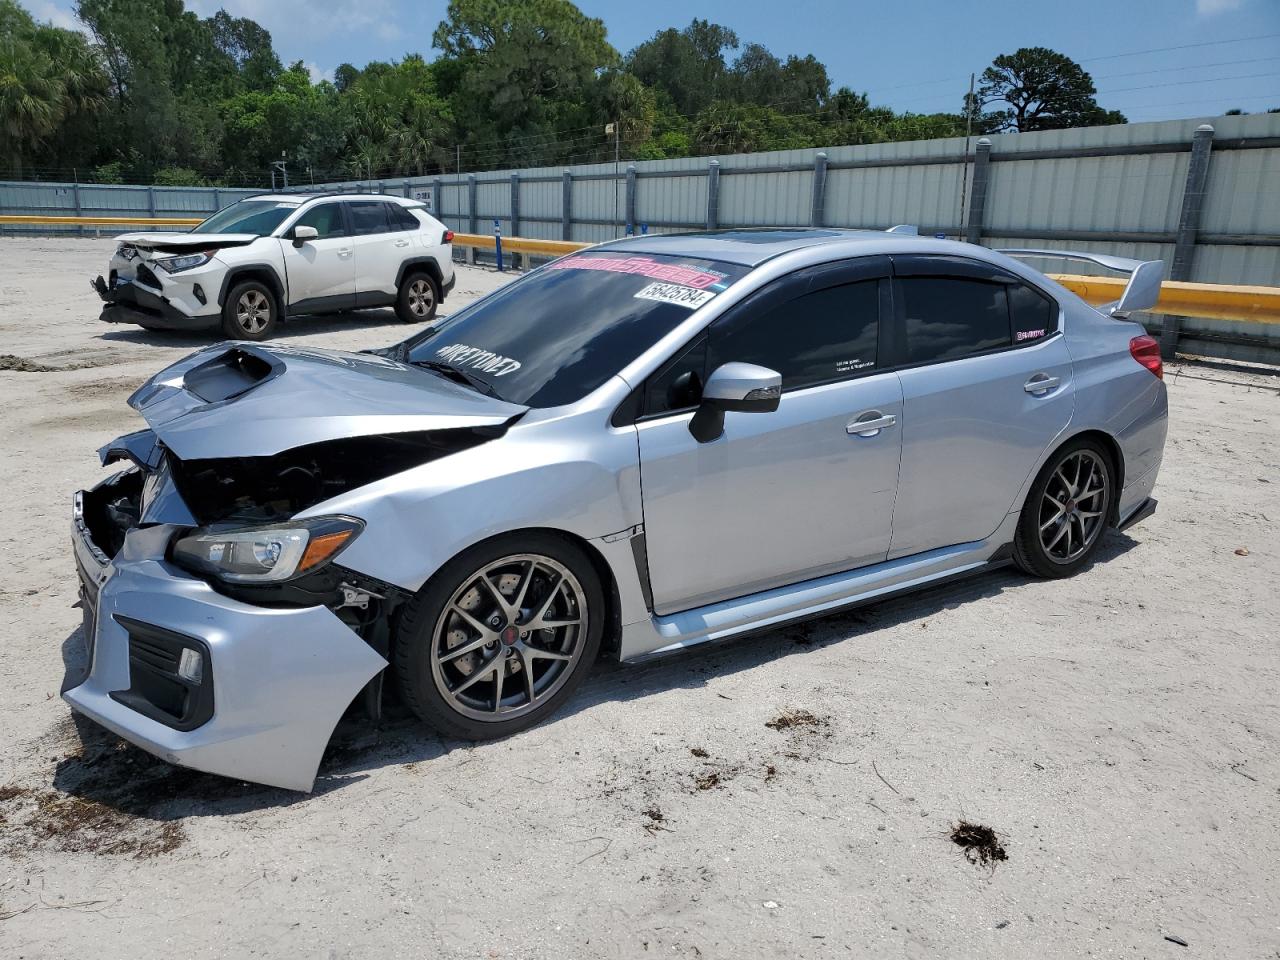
point(458, 148)
point(615, 129)
point(284, 171)
point(969, 105)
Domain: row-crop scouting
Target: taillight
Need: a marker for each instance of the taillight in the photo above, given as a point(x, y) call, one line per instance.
point(1146, 350)
point(448, 236)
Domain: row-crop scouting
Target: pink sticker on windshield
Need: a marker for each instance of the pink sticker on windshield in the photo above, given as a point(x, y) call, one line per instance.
point(643, 266)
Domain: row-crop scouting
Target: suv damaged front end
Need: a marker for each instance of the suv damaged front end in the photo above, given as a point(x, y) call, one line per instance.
point(224, 632)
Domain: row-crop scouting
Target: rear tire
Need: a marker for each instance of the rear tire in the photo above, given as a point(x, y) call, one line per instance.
point(250, 311)
point(1067, 511)
point(479, 662)
point(417, 298)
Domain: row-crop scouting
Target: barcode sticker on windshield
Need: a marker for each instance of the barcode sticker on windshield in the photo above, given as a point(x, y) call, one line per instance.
point(676, 293)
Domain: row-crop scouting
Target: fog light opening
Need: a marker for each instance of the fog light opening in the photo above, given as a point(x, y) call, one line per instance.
point(199, 292)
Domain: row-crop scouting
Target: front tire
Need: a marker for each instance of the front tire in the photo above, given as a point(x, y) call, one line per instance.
point(501, 637)
point(1067, 511)
point(417, 298)
point(249, 312)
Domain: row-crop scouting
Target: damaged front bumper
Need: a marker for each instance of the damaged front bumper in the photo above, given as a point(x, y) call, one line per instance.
point(126, 301)
point(203, 680)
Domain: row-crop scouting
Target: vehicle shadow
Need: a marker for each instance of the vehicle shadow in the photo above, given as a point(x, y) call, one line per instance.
point(106, 770)
point(310, 325)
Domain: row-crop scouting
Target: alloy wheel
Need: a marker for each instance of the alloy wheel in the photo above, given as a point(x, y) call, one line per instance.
point(422, 297)
point(1073, 506)
point(509, 637)
point(253, 311)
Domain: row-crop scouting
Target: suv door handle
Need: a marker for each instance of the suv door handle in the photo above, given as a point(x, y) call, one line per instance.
point(402, 243)
point(1041, 384)
point(344, 252)
point(870, 423)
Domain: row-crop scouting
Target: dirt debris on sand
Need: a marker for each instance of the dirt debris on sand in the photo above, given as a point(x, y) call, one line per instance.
point(34, 816)
point(980, 844)
point(795, 719)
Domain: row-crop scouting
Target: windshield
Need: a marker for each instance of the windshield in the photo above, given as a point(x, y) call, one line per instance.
point(555, 335)
point(248, 216)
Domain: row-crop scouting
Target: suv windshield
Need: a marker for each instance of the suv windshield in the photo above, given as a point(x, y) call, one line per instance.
point(248, 216)
point(555, 335)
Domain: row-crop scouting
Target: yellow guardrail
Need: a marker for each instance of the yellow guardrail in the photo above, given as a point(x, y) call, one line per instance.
point(1213, 301)
point(100, 221)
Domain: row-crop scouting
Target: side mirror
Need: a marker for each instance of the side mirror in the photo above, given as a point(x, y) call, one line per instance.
point(739, 387)
point(302, 234)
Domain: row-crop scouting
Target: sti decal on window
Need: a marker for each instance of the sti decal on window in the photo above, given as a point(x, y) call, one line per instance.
point(486, 361)
point(646, 267)
point(676, 293)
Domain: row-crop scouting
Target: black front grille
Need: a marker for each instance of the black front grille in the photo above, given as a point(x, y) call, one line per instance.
point(155, 688)
point(145, 276)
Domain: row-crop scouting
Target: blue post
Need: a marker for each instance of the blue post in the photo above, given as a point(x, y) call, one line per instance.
point(497, 242)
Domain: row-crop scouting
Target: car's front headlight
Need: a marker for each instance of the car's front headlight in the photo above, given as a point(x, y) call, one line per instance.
point(186, 261)
point(265, 554)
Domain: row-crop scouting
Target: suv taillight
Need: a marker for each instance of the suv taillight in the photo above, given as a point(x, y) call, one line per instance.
point(448, 236)
point(1146, 350)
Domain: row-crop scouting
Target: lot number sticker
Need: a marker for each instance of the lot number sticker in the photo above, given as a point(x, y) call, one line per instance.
point(676, 293)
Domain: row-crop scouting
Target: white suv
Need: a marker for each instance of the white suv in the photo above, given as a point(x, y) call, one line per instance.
point(279, 255)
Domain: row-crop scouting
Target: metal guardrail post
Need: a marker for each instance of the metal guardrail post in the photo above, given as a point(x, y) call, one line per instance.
point(408, 190)
point(151, 200)
point(713, 194)
point(631, 198)
point(515, 205)
point(217, 199)
point(566, 206)
point(818, 210)
point(1184, 251)
point(437, 199)
point(75, 195)
point(978, 194)
point(471, 203)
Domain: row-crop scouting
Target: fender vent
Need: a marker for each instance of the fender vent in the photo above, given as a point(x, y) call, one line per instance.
point(229, 375)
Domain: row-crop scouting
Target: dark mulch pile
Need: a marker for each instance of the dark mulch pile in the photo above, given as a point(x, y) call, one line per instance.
point(980, 844)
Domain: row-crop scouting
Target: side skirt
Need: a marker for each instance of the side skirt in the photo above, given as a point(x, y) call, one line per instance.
point(658, 636)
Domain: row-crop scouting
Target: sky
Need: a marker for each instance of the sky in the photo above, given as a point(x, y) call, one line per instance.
point(1150, 59)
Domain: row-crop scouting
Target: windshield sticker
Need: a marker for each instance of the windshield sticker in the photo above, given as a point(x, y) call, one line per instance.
point(676, 293)
point(1029, 334)
point(643, 266)
point(847, 366)
point(486, 361)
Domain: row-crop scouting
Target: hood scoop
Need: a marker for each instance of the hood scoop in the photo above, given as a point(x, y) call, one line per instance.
point(251, 401)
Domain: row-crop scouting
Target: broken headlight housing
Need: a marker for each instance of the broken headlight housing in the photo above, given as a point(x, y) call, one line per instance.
point(265, 554)
point(187, 261)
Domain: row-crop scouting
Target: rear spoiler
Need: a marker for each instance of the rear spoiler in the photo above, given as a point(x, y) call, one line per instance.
point(1142, 291)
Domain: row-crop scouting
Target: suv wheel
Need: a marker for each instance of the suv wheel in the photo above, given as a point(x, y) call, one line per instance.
point(501, 637)
point(417, 299)
point(1067, 510)
point(249, 312)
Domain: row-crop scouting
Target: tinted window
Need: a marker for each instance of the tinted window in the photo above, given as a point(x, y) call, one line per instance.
point(368, 216)
point(401, 218)
point(559, 332)
point(816, 338)
point(948, 317)
point(258, 217)
point(678, 385)
point(326, 218)
point(1035, 316)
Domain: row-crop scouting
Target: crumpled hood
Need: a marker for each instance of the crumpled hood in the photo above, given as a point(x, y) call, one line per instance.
point(172, 241)
point(238, 400)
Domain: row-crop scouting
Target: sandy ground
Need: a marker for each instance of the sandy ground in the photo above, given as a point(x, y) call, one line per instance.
point(1120, 731)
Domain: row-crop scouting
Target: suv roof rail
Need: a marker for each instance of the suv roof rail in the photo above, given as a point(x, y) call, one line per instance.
point(1142, 291)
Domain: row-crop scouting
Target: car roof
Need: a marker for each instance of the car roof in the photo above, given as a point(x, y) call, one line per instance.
point(301, 198)
point(749, 247)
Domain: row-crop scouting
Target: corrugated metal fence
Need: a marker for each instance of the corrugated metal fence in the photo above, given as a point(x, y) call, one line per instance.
point(1207, 202)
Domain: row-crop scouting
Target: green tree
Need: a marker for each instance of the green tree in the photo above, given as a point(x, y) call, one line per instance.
point(687, 65)
point(48, 76)
point(1040, 89)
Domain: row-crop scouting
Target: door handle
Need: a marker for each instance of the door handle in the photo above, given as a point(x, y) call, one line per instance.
point(402, 243)
point(344, 252)
point(870, 423)
point(1041, 384)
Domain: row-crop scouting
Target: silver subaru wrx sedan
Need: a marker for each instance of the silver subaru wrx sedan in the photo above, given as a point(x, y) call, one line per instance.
point(644, 446)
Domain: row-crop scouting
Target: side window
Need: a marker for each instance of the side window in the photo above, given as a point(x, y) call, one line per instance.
point(326, 218)
point(815, 338)
point(401, 218)
point(1035, 316)
point(951, 317)
point(678, 385)
point(367, 216)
